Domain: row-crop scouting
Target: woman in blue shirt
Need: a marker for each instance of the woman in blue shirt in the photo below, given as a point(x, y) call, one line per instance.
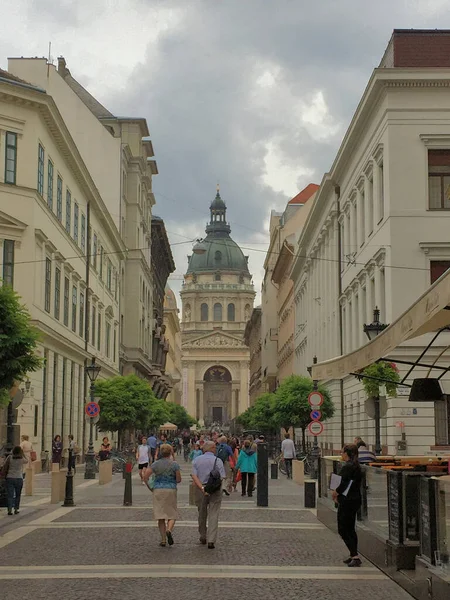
point(166, 477)
point(247, 464)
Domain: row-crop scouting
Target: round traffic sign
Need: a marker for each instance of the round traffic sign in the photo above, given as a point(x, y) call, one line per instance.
point(92, 409)
point(315, 415)
point(315, 399)
point(315, 428)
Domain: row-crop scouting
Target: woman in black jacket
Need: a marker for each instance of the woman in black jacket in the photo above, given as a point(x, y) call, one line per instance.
point(348, 497)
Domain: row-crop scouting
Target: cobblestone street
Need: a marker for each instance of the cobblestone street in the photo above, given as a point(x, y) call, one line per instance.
point(99, 549)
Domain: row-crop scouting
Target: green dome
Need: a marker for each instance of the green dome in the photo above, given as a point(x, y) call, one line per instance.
point(218, 252)
point(222, 254)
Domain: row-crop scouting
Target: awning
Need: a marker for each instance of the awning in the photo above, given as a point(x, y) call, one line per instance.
point(168, 427)
point(430, 312)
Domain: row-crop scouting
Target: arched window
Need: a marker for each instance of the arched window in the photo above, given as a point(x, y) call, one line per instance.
point(204, 312)
point(231, 312)
point(217, 312)
point(217, 276)
point(218, 256)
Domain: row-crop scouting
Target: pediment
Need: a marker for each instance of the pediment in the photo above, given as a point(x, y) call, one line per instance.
point(9, 224)
point(216, 339)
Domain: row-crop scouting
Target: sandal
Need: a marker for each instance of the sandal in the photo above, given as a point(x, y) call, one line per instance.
point(162, 544)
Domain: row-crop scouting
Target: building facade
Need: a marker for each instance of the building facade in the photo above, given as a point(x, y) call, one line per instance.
point(252, 337)
point(217, 301)
point(173, 335)
point(52, 220)
point(377, 236)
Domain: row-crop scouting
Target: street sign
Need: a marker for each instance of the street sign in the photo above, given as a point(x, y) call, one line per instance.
point(315, 399)
point(94, 420)
point(315, 415)
point(92, 409)
point(315, 428)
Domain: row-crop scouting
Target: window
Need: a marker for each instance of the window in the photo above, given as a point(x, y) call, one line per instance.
point(370, 203)
point(48, 284)
point(59, 188)
point(101, 262)
point(99, 330)
point(114, 345)
point(217, 312)
point(76, 211)
point(81, 316)
point(83, 233)
point(40, 179)
point(109, 276)
point(8, 262)
point(94, 251)
point(231, 312)
point(66, 301)
point(10, 157)
point(94, 323)
point(438, 268)
point(204, 312)
point(57, 292)
point(362, 218)
point(36, 420)
point(381, 194)
point(217, 277)
point(50, 184)
point(74, 307)
point(342, 250)
point(218, 256)
point(439, 179)
point(68, 210)
point(108, 338)
point(442, 421)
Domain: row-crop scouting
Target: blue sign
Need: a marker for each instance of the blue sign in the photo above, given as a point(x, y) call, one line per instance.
point(92, 409)
point(316, 415)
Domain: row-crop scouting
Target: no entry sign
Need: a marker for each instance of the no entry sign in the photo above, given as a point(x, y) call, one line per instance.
point(92, 409)
point(315, 428)
point(315, 399)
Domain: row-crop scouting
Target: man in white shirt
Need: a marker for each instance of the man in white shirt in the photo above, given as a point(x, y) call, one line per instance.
point(289, 453)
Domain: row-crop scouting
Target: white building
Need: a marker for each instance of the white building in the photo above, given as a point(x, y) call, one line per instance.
point(52, 217)
point(377, 235)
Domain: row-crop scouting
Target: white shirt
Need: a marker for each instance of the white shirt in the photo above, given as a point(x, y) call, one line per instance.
point(288, 448)
point(143, 454)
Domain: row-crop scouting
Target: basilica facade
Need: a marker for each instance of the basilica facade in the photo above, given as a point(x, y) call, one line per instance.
point(217, 301)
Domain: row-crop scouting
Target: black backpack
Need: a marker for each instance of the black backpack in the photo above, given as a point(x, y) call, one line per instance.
point(214, 482)
point(222, 453)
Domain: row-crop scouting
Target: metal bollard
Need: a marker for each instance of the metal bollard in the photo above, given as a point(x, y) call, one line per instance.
point(262, 489)
point(310, 494)
point(128, 492)
point(274, 471)
point(68, 494)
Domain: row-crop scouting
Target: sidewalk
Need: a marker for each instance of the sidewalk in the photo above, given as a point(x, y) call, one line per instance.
point(100, 549)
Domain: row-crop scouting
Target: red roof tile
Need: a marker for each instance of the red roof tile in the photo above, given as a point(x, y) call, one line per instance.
point(303, 196)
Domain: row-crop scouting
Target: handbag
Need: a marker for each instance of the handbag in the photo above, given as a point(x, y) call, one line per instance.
point(33, 455)
point(151, 482)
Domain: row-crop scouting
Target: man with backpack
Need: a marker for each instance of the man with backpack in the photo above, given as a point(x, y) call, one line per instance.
point(207, 474)
point(224, 452)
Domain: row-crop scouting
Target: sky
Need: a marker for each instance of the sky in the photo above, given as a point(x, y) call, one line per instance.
point(253, 94)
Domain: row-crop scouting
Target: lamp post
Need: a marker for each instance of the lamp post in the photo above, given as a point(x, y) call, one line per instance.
point(92, 372)
point(372, 330)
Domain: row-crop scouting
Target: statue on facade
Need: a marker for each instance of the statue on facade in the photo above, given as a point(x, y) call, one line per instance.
point(187, 313)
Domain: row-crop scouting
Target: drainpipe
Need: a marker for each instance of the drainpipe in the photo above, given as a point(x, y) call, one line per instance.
point(337, 191)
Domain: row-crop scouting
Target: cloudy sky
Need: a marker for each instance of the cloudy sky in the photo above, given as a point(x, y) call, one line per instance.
point(255, 94)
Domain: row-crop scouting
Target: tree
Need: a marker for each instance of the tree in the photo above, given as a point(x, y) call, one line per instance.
point(384, 371)
point(292, 408)
point(179, 416)
point(128, 403)
point(261, 415)
point(18, 341)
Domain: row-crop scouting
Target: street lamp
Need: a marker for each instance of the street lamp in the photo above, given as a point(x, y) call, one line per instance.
point(92, 371)
point(372, 330)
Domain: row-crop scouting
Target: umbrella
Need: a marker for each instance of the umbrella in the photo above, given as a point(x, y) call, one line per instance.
point(168, 427)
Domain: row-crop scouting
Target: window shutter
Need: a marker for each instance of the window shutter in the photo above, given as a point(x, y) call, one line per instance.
point(441, 422)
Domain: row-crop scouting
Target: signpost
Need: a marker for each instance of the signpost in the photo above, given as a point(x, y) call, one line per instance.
point(92, 409)
point(315, 399)
point(315, 428)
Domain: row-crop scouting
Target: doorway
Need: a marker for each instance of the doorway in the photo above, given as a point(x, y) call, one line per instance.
point(217, 414)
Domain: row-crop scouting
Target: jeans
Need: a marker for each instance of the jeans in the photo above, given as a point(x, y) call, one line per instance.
point(250, 478)
point(346, 518)
point(14, 489)
point(288, 463)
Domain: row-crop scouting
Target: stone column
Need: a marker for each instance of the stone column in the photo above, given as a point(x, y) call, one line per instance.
point(244, 395)
point(361, 316)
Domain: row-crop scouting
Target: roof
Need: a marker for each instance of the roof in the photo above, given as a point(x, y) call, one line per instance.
point(303, 196)
point(10, 77)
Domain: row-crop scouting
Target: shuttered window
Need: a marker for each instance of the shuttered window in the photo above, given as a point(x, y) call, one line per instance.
point(439, 179)
point(438, 268)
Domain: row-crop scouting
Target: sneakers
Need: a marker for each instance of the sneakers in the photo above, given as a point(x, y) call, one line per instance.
point(10, 512)
point(355, 562)
point(202, 541)
point(347, 561)
point(211, 546)
point(16, 511)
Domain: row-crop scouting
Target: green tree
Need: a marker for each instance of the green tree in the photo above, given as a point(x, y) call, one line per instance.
point(18, 340)
point(128, 403)
point(291, 405)
point(179, 416)
point(260, 415)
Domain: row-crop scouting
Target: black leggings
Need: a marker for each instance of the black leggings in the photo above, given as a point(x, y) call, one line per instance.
point(251, 483)
point(346, 519)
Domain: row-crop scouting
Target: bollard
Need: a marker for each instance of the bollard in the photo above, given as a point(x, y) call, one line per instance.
point(29, 481)
point(310, 494)
point(55, 467)
point(128, 494)
point(262, 489)
point(298, 471)
point(104, 472)
point(55, 488)
point(274, 471)
point(62, 483)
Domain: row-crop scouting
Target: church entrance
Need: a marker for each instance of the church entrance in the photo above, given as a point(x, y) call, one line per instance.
point(217, 395)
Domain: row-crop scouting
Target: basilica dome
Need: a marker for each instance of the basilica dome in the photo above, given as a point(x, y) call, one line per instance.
point(217, 251)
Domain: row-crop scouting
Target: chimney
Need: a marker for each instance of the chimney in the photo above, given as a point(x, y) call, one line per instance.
point(62, 68)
